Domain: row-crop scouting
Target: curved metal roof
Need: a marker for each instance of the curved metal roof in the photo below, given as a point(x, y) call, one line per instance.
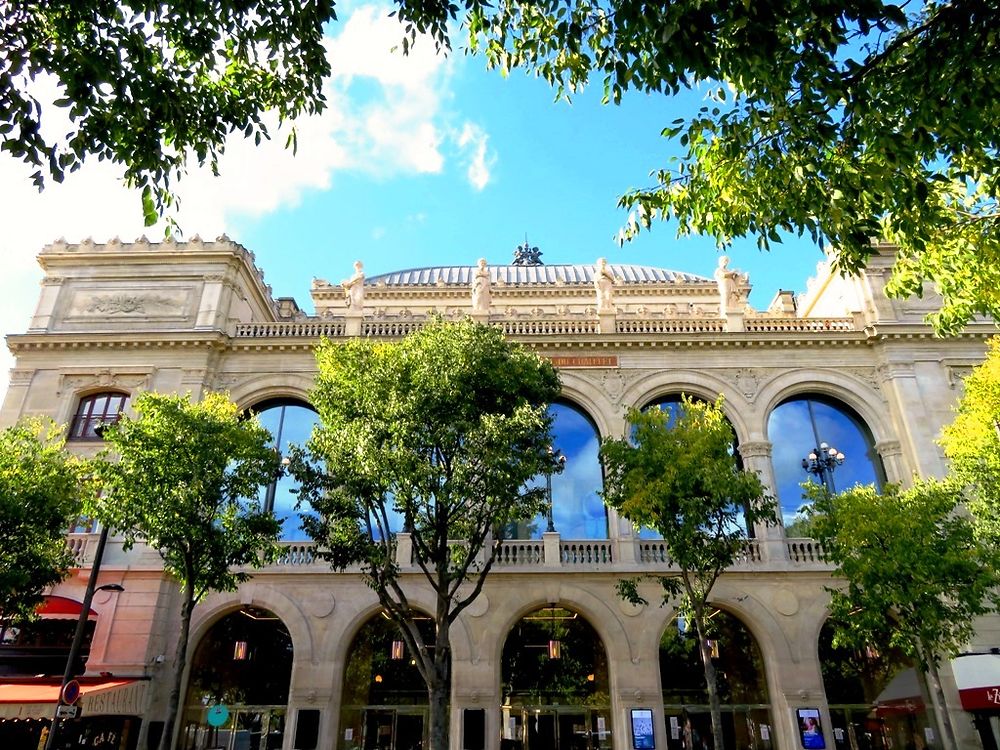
point(578, 273)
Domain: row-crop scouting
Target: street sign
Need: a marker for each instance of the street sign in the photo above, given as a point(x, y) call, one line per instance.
point(218, 715)
point(67, 712)
point(70, 692)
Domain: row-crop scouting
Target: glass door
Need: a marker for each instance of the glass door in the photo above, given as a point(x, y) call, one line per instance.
point(392, 729)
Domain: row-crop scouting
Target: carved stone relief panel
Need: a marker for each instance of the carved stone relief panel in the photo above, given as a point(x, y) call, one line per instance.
point(154, 303)
point(74, 382)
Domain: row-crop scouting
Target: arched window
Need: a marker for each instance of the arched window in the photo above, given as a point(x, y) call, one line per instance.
point(799, 426)
point(577, 509)
point(290, 422)
point(96, 410)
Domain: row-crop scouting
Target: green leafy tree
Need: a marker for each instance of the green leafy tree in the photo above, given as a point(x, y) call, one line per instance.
point(41, 488)
point(972, 444)
point(153, 85)
point(677, 474)
point(842, 120)
point(183, 478)
point(437, 435)
point(912, 569)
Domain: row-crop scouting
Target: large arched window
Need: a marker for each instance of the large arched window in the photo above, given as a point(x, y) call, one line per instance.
point(95, 411)
point(672, 404)
point(800, 425)
point(577, 509)
point(290, 422)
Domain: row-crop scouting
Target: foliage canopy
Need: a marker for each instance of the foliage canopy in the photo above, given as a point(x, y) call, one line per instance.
point(972, 445)
point(913, 571)
point(152, 85)
point(437, 435)
point(183, 478)
point(846, 120)
point(41, 492)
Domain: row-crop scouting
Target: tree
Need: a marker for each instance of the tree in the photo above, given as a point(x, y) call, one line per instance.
point(972, 444)
point(152, 85)
point(677, 474)
point(41, 489)
point(438, 436)
point(912, 570)
point(183, 478)
point(845, 120)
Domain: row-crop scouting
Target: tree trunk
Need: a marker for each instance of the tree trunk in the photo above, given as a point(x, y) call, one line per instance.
point(710, 679)
point(439, 720)
point(180, 661)
point(940, 707)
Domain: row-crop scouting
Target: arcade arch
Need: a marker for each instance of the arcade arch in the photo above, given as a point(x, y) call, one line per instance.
point(242, 663)
point(555, 683)
point(747, 720)
point(384, 704)
point(876, 698)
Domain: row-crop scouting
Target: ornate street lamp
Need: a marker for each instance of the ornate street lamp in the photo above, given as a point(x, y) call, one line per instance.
point(548, 489)
point(821, 462)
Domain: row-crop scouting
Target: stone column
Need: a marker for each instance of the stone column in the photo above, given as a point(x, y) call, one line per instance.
point(892, 459)
point(915, 430)
point(756, 456)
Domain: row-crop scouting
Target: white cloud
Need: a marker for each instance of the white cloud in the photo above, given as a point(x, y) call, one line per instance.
point(472, 141)
point(386, 116)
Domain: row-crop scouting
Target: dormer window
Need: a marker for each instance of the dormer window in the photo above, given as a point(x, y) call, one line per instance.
point(95, 410)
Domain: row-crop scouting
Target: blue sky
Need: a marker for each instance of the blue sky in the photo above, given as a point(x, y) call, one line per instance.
point(418, 161)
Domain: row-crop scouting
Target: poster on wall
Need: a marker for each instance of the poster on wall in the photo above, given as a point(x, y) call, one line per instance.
point(642, 729)
point(810, 728)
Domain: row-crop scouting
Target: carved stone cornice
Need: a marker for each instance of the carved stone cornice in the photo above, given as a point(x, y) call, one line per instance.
point(21, 377)
point(127, 380)
point(893, 370)
point(889, 448)
point(756, 449)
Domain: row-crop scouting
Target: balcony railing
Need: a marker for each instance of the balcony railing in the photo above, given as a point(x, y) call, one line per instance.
point(618, 555)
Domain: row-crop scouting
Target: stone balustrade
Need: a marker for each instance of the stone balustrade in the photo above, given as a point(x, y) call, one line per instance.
point(387, 328)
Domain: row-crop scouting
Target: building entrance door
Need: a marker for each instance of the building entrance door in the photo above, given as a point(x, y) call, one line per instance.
point(570, 728)
point(394, 729)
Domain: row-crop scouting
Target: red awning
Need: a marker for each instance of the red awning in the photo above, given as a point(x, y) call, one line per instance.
point(34, 699)
point(977, 677)
point(60, 607)
point(29, 692)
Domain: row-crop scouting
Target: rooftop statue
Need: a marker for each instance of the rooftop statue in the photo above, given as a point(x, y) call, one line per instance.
point(525, 255)
point(731, 297)
point(481, 294)
point(354, 288)
point(604, 283)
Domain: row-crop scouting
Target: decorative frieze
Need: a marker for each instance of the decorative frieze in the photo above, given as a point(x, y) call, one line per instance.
point(74, 382)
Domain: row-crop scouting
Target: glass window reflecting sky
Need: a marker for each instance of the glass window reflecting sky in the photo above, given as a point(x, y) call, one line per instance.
point(799, 425)
point(289, 422)
point(578, 511)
